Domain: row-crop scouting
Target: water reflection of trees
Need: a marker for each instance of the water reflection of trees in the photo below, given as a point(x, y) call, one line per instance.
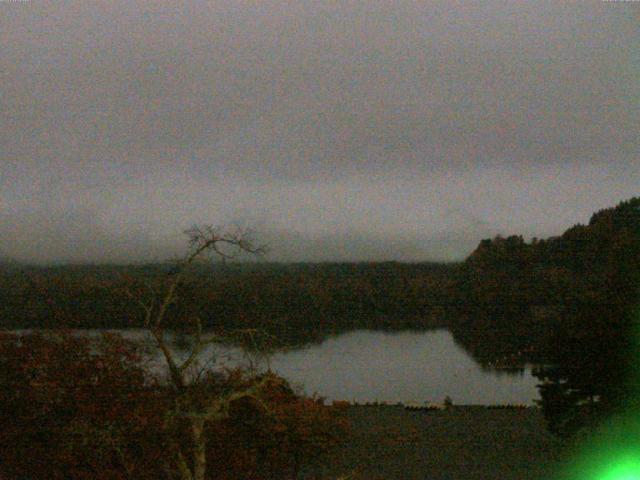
point(504, 371)
point(494, 336)
point(493, 353)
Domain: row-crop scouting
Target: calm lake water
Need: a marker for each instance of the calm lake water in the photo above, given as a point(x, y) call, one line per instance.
point(366, 366)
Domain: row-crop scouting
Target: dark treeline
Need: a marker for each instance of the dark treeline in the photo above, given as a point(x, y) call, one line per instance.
point(293, 302)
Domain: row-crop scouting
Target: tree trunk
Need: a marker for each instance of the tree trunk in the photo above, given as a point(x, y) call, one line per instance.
point(183, 468)
point(199, 449)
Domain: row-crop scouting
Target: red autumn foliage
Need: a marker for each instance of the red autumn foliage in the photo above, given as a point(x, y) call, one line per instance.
point(74, 408)
point(77, 408)
point(276, 439)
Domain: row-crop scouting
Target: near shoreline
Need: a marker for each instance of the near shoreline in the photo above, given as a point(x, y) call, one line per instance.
point(463, 442)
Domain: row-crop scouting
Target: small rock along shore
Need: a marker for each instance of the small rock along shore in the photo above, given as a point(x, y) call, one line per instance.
point(390, 442)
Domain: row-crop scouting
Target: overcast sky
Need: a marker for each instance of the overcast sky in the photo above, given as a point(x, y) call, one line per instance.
point(369, 130)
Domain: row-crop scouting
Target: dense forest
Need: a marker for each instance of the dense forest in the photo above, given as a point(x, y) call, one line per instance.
point(569, 302)
point(296, 303)
point(528, 292)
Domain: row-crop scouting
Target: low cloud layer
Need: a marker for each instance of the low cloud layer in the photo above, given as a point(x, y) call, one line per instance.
point(359, 131)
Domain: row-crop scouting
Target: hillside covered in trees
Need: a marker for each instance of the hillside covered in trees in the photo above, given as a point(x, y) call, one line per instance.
point(569, 302)
point(526, 293)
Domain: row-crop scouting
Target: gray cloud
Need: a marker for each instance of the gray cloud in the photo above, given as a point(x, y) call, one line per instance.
point(350, 129)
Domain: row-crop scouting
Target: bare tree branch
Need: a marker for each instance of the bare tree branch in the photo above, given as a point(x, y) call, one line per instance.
point(225, 244)
point(197, 347)
point(196, 401)
point(147, 308)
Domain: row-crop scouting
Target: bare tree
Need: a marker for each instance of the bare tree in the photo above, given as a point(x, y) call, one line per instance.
point(190, 405)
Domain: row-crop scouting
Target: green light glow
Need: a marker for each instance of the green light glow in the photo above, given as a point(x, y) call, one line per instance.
point(612, 451)
point(624, 469)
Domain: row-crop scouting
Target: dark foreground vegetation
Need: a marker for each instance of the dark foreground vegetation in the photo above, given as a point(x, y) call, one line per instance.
point(568, 303)
point(74, 408)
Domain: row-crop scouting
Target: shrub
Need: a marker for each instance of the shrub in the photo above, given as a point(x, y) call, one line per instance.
point(75, 408)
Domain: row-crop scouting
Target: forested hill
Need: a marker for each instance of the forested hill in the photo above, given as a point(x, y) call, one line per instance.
point(611, 236)
point(513, 296)
point(577, 266)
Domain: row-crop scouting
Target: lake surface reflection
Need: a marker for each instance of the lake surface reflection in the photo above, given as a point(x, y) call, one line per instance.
point(400, 366)
point(366, 366)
